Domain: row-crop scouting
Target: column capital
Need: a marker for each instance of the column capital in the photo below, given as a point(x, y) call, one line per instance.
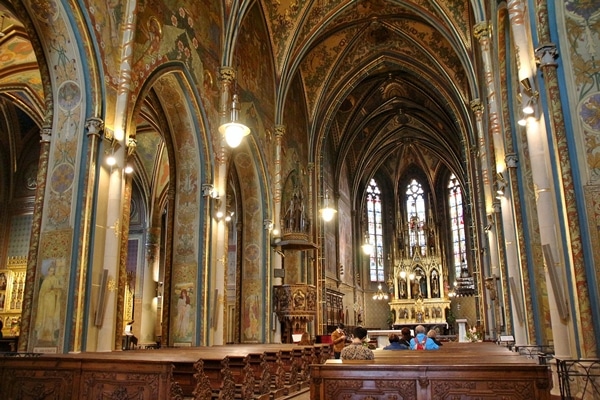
point(279, 131)
point(481, 30)
point(94, 126)
point(476, 106)
point(227, 74)
point(546, 55)
point(512, 160)
point(46, 133)
point(497, 207)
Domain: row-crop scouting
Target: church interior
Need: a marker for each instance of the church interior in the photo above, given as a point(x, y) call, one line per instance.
point(219, 173)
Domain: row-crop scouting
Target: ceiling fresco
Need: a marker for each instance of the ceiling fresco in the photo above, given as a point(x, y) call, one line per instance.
point(381, 79)
point(376, 75)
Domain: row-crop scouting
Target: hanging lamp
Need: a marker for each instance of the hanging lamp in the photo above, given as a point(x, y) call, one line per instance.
point(234, 131)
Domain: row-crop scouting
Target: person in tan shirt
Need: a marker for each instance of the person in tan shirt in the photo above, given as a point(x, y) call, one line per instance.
point(338, 338)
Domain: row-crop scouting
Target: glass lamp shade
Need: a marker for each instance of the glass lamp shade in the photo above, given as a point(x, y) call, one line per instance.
point(367, 248)
point(327, 213)
point(234, 132)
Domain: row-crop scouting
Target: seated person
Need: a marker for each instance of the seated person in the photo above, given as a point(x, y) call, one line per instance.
point(395, 343)
point(405, 336)
point(421, 341)
point(433, 335)
point(358, 349)
point(305, 339)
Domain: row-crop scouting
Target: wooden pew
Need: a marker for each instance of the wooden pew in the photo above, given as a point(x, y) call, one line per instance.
point(257, 372)
point(471, 370)
point(77, 377)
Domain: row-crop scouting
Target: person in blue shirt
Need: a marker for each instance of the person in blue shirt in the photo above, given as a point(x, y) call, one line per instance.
point(421, 341)
point(395, 343)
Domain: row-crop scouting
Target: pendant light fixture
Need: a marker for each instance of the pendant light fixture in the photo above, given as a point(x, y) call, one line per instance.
point(367, 247)
point(327, 212)
point(234, 131)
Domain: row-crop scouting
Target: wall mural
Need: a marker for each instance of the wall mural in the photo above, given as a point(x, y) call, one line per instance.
point(583, 31)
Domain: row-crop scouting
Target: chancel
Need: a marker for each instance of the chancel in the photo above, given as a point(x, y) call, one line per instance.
point(194, 194)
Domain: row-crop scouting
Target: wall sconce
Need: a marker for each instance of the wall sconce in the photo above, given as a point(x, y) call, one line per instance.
point(268, 225)
point(529, 96)
point(500, 184)
point(367, 247)
point(490, 223)
point(327, 212)
point(229, 216)
point(219, 214)
point(131, 146)
point(234, 131)
point(208, 190)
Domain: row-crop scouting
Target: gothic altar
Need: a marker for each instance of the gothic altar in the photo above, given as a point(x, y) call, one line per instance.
point(419, 280)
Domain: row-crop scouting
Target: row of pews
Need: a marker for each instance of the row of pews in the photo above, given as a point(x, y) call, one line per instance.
point(276, 371)
point(455, 371)
point(248, 372)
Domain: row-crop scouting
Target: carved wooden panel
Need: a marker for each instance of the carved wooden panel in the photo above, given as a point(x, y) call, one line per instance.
point(25, 383)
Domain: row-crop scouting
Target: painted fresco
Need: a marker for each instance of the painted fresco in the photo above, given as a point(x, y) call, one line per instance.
point(166, 31)
point(253, 267)
point(148, 144)
point(254, 64)
point(346, 236)
point(186, 294)
point(51, 290)
point(294, 144)
point(583, 31)
point(63, 172)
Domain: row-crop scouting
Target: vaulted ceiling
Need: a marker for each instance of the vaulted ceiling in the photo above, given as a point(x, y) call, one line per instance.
point(387, 83)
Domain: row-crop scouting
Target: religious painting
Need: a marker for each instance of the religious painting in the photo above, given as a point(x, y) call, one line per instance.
point(50, 312)
point(184, 313)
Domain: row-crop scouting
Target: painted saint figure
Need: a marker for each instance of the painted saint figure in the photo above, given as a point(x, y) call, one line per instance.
point(183, 313)
point(47, 321)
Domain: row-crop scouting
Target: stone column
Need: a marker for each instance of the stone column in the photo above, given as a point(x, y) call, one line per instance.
point(546, 56)
point(34, 242)
point(94, 132)
point(219, 239)
point(277, 259)
point(540, 158)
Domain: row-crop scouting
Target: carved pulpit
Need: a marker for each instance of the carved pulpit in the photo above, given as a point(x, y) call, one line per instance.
point(295, 306)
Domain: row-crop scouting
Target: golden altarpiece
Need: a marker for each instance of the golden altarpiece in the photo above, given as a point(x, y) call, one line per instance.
point(12, 288)
point(418, 280)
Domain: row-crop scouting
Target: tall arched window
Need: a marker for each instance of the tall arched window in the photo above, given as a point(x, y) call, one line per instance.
point(457, 225)
point(415, 215)
point(374, 230)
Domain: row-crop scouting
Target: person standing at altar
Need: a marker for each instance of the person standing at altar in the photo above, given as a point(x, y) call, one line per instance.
point(338, 338)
